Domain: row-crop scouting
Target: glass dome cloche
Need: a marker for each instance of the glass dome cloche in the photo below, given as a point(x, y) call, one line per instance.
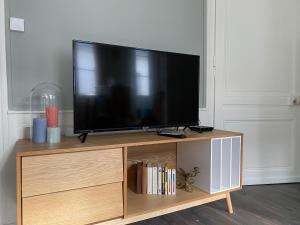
point(46, 99)
point(45, 95)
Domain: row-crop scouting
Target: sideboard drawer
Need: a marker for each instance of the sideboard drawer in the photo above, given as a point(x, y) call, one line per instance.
point(60, 172)
point(76, 207)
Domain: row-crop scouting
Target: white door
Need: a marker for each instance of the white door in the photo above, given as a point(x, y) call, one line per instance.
point(257, 74)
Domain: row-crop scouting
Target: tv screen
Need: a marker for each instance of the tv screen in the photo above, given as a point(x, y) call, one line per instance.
point(118, 88)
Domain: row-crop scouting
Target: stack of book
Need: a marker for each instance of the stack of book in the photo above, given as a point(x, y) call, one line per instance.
point(155, 179)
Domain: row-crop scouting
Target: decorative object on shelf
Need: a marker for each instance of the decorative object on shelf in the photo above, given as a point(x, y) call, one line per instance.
point(46, 99)
point(185, 180)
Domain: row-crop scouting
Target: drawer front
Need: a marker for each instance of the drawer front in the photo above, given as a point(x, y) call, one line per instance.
point(76, 207)
point(61, 172)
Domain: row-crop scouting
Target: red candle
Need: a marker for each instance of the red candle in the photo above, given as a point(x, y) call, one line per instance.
point(52, 116)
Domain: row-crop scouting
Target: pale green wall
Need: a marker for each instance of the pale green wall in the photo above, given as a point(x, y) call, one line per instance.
point(44, 51)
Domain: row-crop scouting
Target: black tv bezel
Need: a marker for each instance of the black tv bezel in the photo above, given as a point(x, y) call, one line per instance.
point(126, 128)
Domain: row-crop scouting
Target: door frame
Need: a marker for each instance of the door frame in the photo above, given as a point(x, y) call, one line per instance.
point(3, 107)
point(207, 114)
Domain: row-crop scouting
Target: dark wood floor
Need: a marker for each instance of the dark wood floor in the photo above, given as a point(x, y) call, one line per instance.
point(255, 205)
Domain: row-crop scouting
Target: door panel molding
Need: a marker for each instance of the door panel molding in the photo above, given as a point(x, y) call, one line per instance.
point(246, 35)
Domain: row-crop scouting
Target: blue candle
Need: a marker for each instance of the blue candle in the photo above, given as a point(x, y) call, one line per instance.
point(39, 131)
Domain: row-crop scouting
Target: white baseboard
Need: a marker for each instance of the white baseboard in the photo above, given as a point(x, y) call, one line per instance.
point(271, 180)
point(271, 175)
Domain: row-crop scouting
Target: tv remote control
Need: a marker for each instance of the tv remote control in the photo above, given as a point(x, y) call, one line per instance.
point(171, 133)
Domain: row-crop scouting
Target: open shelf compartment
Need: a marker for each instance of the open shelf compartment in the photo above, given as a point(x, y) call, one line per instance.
point(218, 159)
point(147, 204)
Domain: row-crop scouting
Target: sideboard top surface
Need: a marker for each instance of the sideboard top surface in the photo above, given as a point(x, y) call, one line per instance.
point(25, 147)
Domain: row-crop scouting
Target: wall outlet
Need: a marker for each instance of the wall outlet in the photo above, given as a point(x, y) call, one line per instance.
point(16, 24)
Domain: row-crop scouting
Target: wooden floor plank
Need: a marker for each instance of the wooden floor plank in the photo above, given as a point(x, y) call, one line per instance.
point(254, 205)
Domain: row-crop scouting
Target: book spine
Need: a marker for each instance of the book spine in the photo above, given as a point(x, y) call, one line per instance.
point(169, 182)
point(149, 186)
point(173, 181)
point(139, 178)
point(163, 181)
point(144, 178)
point(159, 181)
point(166, 180)
point(154, 180)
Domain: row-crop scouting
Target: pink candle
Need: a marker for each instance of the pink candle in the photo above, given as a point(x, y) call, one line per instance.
point(52, 116)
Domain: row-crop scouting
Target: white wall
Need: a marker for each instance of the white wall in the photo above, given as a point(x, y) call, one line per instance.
point(14, 122)
point(169, 25)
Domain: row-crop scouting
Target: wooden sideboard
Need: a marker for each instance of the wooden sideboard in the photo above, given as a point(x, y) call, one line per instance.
point(76, 184)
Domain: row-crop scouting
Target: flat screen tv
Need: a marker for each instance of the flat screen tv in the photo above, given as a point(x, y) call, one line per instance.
point(122, 88)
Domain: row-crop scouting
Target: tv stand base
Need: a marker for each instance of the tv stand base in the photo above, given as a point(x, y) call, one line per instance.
point(82, 137)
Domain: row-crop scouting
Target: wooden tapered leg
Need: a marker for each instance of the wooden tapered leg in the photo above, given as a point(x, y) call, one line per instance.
point(229, 203)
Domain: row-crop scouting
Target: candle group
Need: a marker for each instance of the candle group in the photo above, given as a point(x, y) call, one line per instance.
point(47, 129)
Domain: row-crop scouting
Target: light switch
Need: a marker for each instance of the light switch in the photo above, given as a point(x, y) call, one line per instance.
point(296, 100)
point(17, 24)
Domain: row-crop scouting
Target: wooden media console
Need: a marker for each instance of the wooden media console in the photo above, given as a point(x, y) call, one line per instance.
point(92, 183)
